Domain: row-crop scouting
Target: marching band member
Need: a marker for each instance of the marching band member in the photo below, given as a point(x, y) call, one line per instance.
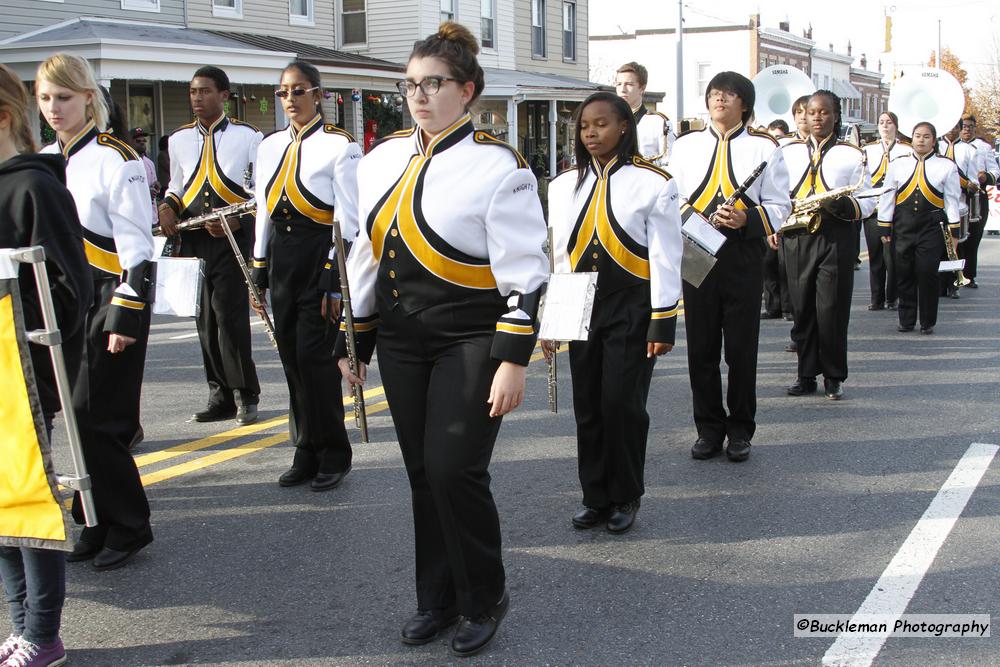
point(211, 160)
point(446, 275)
point(307, 175)
point(618, 215)
point(988, 174)
point(108, 183)
point(882, 275)
point(710, 164)
point(967, 159)
point(925, 194)
point(655, 131)
point(821, 265)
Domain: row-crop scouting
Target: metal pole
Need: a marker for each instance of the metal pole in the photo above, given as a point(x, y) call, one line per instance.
point(680, 64)
point(939, 45)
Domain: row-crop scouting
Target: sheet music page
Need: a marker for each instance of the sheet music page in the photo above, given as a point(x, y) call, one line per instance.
point(8, 270)
point(951, 265)
point(569, 303)
point(178, 285)
point(701, 230)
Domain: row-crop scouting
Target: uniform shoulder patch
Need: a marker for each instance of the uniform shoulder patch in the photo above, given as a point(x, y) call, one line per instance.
point(763, 134)
point(691, 131)
point(237, 121)
point(330, 128)
point(481, 137)
point(186, 126)
point(643, 163)
point(849, 144)
point(118, 145)
point(398, 134)
point(275, 131)
point(901, 142)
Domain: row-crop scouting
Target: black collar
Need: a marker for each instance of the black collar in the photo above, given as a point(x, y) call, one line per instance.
point(447, 138)
point(83, 137)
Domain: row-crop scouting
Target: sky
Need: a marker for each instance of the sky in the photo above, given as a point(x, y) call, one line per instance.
point(970, 28)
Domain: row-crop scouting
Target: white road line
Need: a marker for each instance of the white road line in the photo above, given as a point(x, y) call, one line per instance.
point(187, 335)
point(899, 581)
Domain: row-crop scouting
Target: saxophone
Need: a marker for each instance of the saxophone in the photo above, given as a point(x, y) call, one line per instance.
point(806, 211)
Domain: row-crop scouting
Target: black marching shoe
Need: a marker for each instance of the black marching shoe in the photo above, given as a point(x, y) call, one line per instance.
point(324, 481)
point(765, 315)
point(473, 634)
point(973, 284)
point(738, 449)
point(927, 331)
point(703, 449)
point(112, 559)
point(246, 414)
point(591, 517)
point(427, 624)
point(623, 517)
point(214, 413)
point(296, 475)
point(792, 347)
point(904, 328)
point(83, 551)
point(802, 386)
point(876, 306)
point(834, 389)
point(890, 305)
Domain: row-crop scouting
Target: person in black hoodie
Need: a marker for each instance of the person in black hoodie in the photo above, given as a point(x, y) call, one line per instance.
point(37, 209)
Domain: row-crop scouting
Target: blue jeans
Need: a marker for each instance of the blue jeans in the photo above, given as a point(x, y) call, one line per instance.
point(35, 583)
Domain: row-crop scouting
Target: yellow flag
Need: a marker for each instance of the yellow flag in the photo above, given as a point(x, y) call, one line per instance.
point(30, 512)
point(888, 34)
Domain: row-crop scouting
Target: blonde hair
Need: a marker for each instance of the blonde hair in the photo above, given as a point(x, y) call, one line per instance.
point(14, 100)
point(74, 72)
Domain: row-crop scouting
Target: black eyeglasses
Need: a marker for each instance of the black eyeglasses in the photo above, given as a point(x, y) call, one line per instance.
point(294, 92)
point(430, 85)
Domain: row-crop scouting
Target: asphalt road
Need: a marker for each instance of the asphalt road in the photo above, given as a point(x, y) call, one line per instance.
point(243, 572)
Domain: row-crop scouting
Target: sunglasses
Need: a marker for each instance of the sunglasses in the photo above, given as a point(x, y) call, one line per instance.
point(294, 92)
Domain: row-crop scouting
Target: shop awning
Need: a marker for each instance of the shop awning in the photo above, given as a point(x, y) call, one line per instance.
point(846, 90)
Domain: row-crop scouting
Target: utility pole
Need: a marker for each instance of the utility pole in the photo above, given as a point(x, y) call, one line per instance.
point(680, 65)
point(939, 45)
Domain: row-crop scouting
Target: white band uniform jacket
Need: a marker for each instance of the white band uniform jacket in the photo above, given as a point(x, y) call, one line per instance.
point(920, 186)
point(623, 223)
point(452, 221)
point(108, 184)
point(965, 156)
point(816, 168)
point(205, 175)
point(987, 160)
point(880, 155)
point(653, 130)
point(305, 178)
point(709, 166)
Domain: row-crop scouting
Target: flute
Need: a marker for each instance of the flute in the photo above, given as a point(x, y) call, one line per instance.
point(360, 415)
point(553, 381)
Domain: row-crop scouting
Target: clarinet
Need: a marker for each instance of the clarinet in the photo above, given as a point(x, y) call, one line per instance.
point(739, 192)
point(553, 380)
point(360, 414)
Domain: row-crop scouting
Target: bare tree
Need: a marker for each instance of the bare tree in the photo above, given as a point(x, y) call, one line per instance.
point(986, 95)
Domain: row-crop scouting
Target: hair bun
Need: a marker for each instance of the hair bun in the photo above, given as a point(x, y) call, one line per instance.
point(450, 31)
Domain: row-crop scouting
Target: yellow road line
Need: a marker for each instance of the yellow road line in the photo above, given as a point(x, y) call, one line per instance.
point(232, 453)
point(225, 436)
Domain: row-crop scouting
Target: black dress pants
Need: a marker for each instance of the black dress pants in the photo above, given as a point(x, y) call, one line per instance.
point(721, 316)
point(305, 345)
point(821, 281)
point(611, 376)
point(106, 400)
point(971, 245)
point(881, 270)
point(918, 246)
point(437, 372)
point(224, 320)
